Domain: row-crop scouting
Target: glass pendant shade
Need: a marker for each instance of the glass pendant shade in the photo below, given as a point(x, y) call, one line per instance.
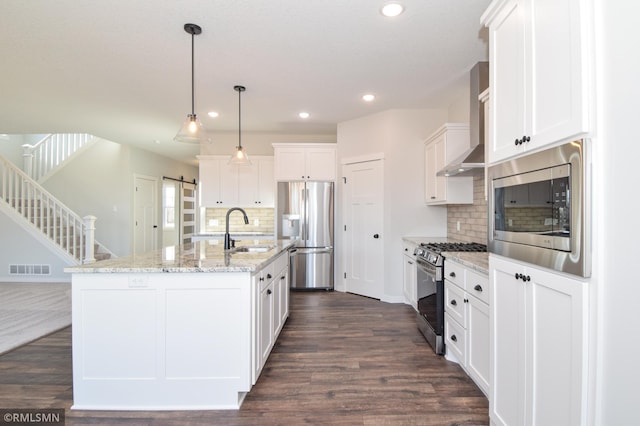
point(240, 157)
point(191, 131)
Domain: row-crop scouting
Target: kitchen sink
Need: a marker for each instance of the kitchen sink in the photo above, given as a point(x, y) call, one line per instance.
point(252, 249)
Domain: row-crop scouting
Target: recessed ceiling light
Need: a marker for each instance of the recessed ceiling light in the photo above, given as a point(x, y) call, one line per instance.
point(392, 9)
point(212, 114)
point(368, 98)
point(304, 115)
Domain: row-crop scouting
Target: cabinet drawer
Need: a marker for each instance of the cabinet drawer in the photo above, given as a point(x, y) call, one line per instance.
point(266, 275)
point(477, 285)
point(454, 302)
point(455, 339)
point(454, 272)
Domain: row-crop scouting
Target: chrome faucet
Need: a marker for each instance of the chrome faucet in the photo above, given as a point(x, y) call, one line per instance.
point(228, 242)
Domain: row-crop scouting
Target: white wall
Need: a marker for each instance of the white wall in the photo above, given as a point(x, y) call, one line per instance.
point(399, 134)
point(615, 221)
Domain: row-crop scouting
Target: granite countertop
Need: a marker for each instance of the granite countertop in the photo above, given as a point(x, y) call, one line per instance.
point(234, 235)
point(476, 261)
point(201, 256)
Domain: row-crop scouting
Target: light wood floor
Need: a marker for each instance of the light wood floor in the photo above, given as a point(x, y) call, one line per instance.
point(31, 310)
point(341, 359)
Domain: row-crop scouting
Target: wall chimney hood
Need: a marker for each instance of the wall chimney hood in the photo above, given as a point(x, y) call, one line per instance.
point(472, 161)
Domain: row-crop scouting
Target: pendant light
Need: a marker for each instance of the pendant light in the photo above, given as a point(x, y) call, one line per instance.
point(191, 130)
point(239, 157)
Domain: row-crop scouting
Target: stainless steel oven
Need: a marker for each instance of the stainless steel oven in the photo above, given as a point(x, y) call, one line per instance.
point(540, 210)
point(430, 317)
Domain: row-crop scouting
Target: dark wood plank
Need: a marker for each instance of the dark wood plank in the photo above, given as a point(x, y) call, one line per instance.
point(341, 359)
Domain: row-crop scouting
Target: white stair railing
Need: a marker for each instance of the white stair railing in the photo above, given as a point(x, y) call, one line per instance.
point(47, 154)
point(43, 211)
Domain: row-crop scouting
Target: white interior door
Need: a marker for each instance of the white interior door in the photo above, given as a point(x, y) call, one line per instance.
point(363, 194)
point(145, 214)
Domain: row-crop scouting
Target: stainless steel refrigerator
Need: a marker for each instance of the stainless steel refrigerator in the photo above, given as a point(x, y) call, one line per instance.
point(305, 214)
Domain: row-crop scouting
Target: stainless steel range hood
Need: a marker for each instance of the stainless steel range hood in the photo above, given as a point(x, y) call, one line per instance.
point(472, 161)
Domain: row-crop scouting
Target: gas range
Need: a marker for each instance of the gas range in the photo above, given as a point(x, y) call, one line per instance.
point(432, 252)
point(430, 287)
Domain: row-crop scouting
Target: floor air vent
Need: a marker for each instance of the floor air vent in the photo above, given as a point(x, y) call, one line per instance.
point(29, 269)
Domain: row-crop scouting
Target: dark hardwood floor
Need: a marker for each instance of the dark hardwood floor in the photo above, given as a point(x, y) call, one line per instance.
point(341, 359)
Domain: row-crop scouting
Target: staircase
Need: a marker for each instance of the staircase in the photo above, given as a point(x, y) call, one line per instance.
point(47, 155)
point(43, 215)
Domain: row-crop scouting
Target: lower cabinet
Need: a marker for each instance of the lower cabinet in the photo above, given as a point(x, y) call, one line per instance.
point(467, 321)
point(409, 275)
point(271, 287)
point(539, 345)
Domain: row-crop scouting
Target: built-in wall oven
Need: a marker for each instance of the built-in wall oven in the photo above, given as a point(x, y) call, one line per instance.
point(540, 208)
point(430, 265)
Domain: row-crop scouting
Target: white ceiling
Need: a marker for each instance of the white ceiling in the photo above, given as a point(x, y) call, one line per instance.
point(121, 69)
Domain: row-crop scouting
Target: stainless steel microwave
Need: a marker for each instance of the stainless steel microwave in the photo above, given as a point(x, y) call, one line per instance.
point(540, 209)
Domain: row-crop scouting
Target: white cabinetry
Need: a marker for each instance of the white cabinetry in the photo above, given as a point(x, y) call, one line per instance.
point(539, 346)
point(409, 274)
point(308, 161)
point(224, 185)
point(467, 321)
point(441, 148)
point(218, 182)
point(256, 183)
point(540, 75)
point(272, 293)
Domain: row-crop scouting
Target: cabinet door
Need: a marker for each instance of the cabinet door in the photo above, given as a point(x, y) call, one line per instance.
point(248, 184)
point(507, 80)
point(409, 280)
point(507, 327)
point(556, 326)
point(558, 72)
point(266, 183)
point(266, 322)
point(478, 331)
point(321, 163)
point(283, 299)
point(290, 164)
point(434, 161)
point(209, 171)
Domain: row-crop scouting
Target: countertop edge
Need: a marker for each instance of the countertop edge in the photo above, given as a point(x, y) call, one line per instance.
point(246, 263)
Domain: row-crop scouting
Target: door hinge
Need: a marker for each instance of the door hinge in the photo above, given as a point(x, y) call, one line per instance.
point(345, 227)
point(345, 275)
point(345, 179)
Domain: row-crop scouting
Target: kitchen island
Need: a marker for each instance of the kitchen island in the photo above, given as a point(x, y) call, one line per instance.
point(182, 328)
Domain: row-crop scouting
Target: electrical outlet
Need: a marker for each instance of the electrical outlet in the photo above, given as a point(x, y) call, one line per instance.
point(458, 225)
point(213, 222)
point(256, 222)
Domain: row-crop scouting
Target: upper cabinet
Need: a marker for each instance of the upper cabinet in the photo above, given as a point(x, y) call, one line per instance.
point(540, 74)
point(305, 161)
point(224, 185)
point(441, 148)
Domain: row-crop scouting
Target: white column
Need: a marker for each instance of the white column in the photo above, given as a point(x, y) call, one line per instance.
point(27, 159)
point(90, 227)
